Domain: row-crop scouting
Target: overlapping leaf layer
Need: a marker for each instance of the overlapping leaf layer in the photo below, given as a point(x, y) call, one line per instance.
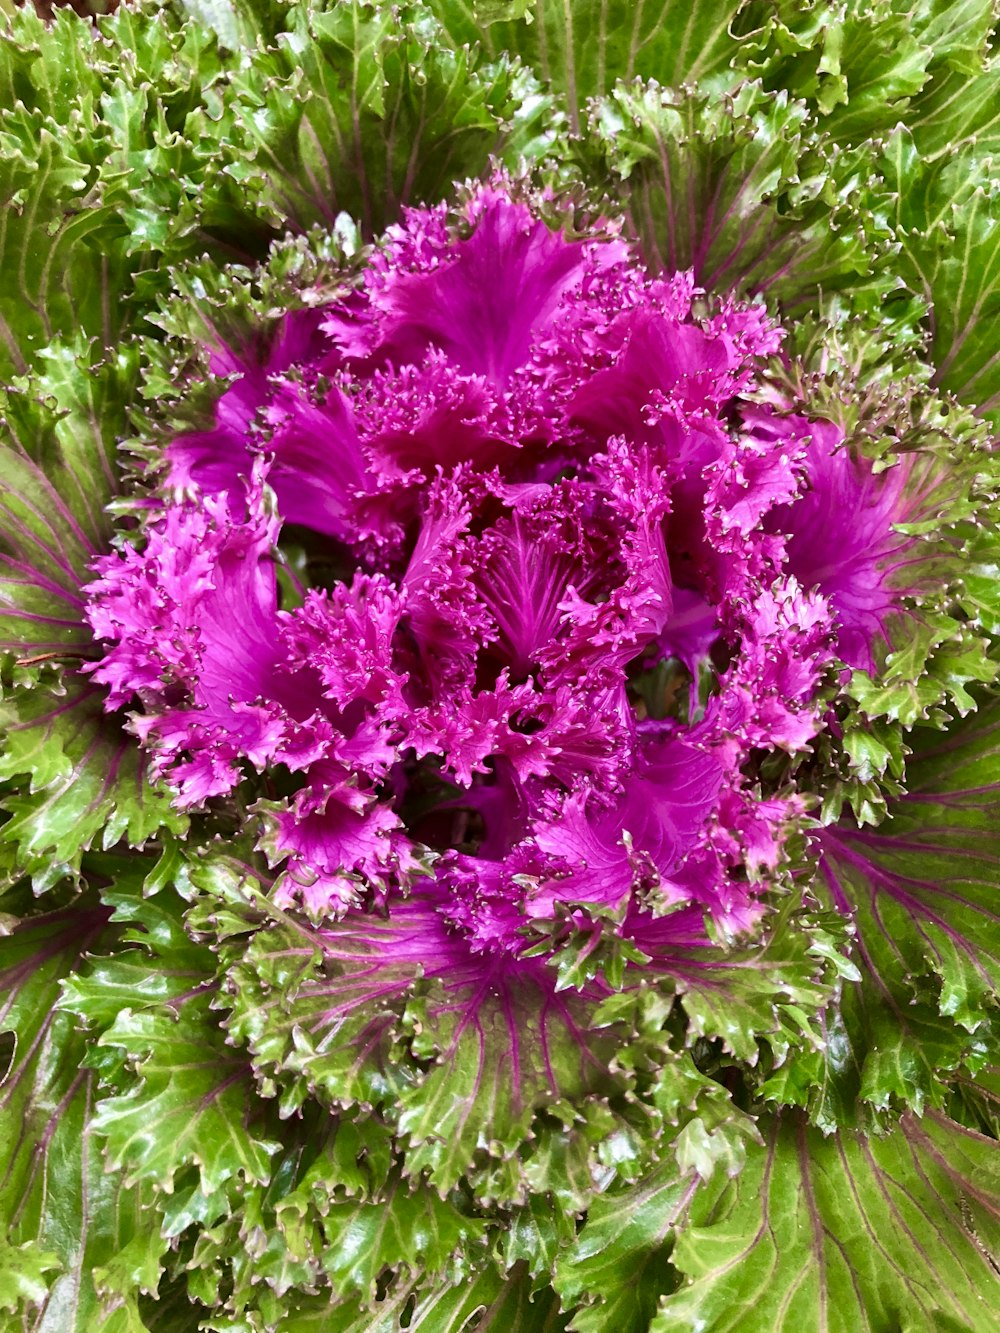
point(225, 1105)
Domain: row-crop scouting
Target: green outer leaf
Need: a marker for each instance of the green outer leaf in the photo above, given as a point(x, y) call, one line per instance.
point(486, 1302)
point(964, 281)
point(281, 1010)
point(86, 782)
point(336, 1218)
point(845, 1235)
point(498, 1061)
point(582, 47)
point(735, 187)
point(856, 65)
point(75, 1242)
point(957, 31)
point(189, 1099)
point(772, 991)
point(946, 216)
point(125, 174)
point(222, 16)
point(923, 892)
point(535, 1233)
point(865, 67)
point(54, 245)
point(353, 111)
point(57, 473)
point(958, 109)
point(621, 1255)
point(48, 66)
point(402, 1226)
point(377, 1012)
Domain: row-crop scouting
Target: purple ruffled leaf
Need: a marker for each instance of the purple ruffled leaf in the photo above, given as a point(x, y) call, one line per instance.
point(436, 294)
point(547, 495)
point(842, 533)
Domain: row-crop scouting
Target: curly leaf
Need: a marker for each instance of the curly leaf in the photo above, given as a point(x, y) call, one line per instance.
point(189, 1099)
point(620, 1259)
point(922, 890)
point(86, 783)
point(352, 111)
point(946, 218)
point(76, 1246)
point(857, 65)
point(487, 1301)
point(734, 187)
point(461, 1051)
point(57, 474)
point(581, 49)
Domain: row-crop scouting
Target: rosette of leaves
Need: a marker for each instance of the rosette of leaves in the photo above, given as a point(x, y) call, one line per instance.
point(247, 1089)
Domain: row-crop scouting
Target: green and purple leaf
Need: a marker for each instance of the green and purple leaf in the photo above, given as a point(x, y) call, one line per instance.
point(845, 1234)
point(736, 187)
point(462, 1051)
point(582, 49)
point(76, 1247)
point(922, 890)
point(353, 111)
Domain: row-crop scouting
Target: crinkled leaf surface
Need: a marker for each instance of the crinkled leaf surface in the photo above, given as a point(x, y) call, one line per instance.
point(100, 176)
point(77, 1245)
point(400, 1225)
point(581, 49)
point(82, 782)
point(772, 991)
point(357, 109)
point(923, 892)
point(57, 473)
point(947, 219)
point(383, 1012)
point(867, 66)
point(857, 64)
point(82, 775)
point(488, 1301)
point(335, 1218)
point(190, 1101)
point(733, 186)
point(206, 128)
point(620, 1259)
point(53, 246)
point(958, 107)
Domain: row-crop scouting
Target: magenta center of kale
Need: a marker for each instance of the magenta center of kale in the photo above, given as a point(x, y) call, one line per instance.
point(555, 586)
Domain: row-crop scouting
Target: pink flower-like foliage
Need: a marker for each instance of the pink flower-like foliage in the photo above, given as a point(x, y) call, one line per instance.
point(593, 585)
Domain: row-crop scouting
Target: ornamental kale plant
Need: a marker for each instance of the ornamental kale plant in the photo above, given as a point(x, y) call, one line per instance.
point(499, 620)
